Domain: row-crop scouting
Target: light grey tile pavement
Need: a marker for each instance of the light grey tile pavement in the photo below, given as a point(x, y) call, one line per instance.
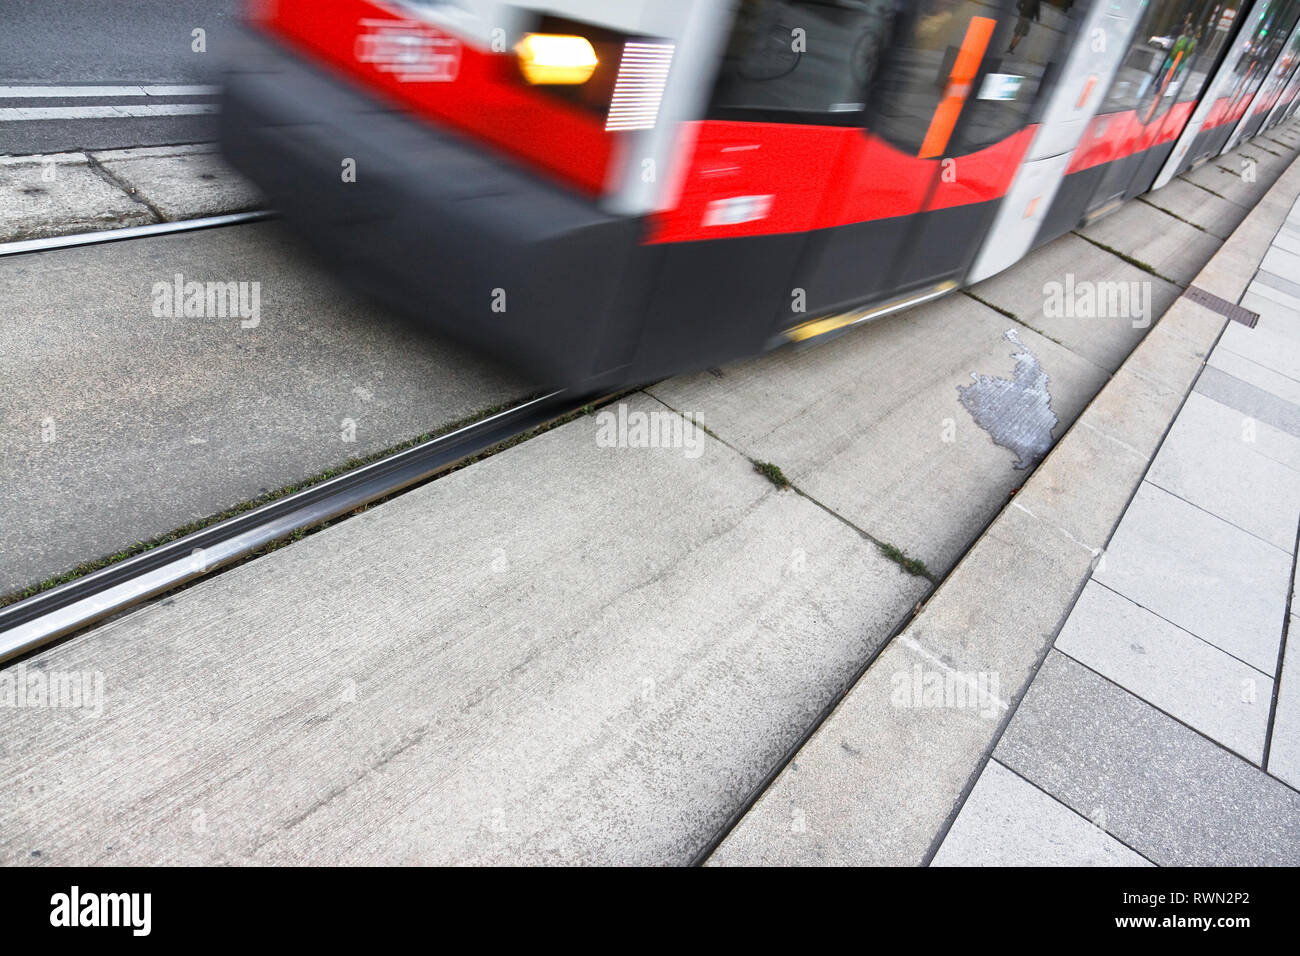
point(1200, 573)
point(1252, 373)
point(1163, 789)
point(1170, 668)
point(1007, 821)
point(1264, 400)
point(1210, 459)
point(1284, 757)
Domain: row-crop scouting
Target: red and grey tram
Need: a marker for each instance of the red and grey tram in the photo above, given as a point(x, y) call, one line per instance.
point(607, 191)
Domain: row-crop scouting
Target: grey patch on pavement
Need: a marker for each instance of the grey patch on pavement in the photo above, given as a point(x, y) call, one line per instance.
point(1017, 412)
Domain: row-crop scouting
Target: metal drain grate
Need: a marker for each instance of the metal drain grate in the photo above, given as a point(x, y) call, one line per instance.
point(1222, 306)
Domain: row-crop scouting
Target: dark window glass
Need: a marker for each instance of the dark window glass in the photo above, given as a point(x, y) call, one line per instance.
point(800, 60)
point(893, 66)
point(1214, 28)
point(1266, 38)
point(918, 73)
point(1173, 51)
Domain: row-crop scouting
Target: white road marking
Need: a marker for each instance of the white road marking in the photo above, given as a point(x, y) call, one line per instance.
point(54, 92)
point(16, 113)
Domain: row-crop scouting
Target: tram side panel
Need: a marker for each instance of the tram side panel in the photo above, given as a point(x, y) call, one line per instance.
point(1088, 71)
point(1165, 66)
point(893, 182)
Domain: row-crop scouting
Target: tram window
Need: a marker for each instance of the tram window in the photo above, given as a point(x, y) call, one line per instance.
point(1269, 34)
point(1216, 21)
point(1015, 42)
point(801, 60)
point(1174, 48)
point(1038, 35)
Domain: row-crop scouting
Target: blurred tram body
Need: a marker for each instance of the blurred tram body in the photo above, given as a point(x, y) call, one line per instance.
point(605, 192)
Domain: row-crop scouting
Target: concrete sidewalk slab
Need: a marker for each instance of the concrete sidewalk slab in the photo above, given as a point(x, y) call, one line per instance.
point(1074, 263)
point(885, 442)
point(1216, 215)
point(1163, 789)
point(184, 182)
point(60, 194)
point(1171, 248)
point(525, 661)
point(1201, 573)
point(1007, 821)
point(1170, 668)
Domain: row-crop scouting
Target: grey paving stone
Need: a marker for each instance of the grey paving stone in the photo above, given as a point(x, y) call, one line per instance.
point(1252, 373)
point(1007, 821)
point(1253, 402)
point(1166, 666)
point(1161, 788)
point(1212, 458)
point(1272, 343)
point(1284, 747)
point(1201, 573)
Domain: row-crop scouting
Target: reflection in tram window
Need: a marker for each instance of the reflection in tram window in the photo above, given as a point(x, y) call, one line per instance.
point(896, 61)
point(802, 60)
point(1015, 49)
point(1175, 46)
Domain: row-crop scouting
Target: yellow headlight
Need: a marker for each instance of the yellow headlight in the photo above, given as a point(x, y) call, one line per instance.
point(549, 58)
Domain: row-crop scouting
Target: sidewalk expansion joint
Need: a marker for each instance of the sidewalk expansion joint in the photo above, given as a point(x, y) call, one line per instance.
point(1137, 263)
point(1019, 321)
point(1183, 177)
point(103, 173)
point(777, 477)
point(1195, 225)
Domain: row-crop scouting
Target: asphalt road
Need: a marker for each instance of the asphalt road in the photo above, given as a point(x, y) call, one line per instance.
point(108, 43)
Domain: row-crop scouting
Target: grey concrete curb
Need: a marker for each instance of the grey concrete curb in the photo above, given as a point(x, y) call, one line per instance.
point(882, 779)
point(61, 194)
